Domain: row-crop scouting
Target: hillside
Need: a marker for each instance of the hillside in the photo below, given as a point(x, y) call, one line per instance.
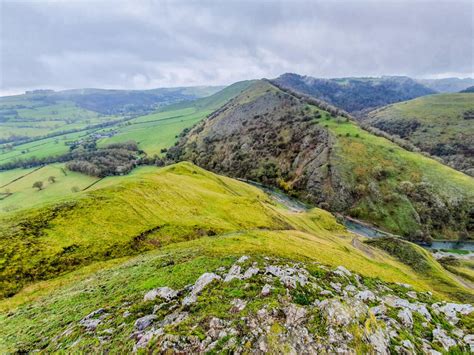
point(355, 95)
point(442, 125)
point(447, 85)
point(276, 138)
point(236, 259)
point(153, 132)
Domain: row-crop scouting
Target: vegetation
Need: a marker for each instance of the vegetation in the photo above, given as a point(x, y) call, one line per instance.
point(280, 138)
point(356, 95)
point(436, 124)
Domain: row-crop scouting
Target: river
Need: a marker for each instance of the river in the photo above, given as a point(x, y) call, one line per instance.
point(353, 225)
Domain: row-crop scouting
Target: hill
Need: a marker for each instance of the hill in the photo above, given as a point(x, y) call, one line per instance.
point(447, 85)
point(153, 132)
point(229, 259)
point(442, 125)
point(275, 137)
point(470, 89)
point(355, 95)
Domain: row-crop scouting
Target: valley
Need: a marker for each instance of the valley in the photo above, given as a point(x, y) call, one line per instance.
point(99, 245)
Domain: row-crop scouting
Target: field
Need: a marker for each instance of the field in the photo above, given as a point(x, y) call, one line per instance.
point(28, 116)
point(153, 132)
point(21, 194)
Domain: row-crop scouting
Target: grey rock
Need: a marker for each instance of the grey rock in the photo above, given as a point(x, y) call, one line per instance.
point(204, 280)
point(243, 259)
point(451, 310)
point(342, 271)
point(366, 296)
point(266, 290)
point(163, 292)
point(406, 317)
point(379, 341)
point(144, 322)
point(90, 322)
point(335, 312)
point(440, 337)
point(238, 305)
point(234, 273)
point(251, 271)
point(295, 315)
point(469, 340)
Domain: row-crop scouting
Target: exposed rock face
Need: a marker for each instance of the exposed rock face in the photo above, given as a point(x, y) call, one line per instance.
point(282, 308)
point(284, 140)
point(268, 139)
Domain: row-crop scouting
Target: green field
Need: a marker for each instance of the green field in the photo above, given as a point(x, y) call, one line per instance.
point(153, 132)
point(26, 115)
point(197, 220)
point(21, 194)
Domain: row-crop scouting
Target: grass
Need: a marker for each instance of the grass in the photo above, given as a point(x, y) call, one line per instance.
point(157, 207)
point(66, 260)
point(32, 317)
point(22, 195)
point(360, 154)
point(26, 115)
point(440, 118)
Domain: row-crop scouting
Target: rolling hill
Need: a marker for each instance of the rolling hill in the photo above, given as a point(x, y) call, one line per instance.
point(294, 143)
point(442, 125)
point(356, 95)
point(230, 252)
point(153, 132)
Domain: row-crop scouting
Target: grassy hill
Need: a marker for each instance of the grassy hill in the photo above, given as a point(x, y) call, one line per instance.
point(77, 256)
point(158, 131)
point(356, 95)
point(153, 132)
point(280, 139)
point(438, 124)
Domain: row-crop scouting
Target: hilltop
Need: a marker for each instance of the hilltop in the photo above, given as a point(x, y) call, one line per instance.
point(221, 265)
point(356, 95)
point(309, 150)
point(442, 125)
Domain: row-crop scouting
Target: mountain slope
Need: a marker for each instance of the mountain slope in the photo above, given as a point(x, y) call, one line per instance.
point(355, 95)
point(447, 85)
point(274, 137)
point(220, 243)
point(442, 125)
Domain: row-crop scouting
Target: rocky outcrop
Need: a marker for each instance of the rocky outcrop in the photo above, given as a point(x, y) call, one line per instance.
point(283, 307)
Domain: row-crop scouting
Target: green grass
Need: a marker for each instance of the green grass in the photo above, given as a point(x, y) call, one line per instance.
point(35, 117)
point(22, 195)
point(440, 117)
point(159, 130)
point(156, 207)
point(360, 154)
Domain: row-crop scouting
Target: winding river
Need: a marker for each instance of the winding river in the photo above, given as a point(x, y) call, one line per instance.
point(353, 225)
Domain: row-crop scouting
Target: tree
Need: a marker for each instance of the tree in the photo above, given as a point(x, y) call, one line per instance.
point(38, 185)
point(52, 179)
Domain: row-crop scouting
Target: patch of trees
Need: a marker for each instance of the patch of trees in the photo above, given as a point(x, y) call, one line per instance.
point(115, 159)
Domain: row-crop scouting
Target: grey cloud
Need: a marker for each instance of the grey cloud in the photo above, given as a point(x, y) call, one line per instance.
point(144, 44)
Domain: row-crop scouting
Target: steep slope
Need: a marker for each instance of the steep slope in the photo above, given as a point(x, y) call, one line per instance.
point(356, 95)
point(226, 253)
point(274, 137)
point(442, 125)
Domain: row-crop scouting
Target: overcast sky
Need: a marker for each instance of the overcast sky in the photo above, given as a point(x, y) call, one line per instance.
point(145, 44)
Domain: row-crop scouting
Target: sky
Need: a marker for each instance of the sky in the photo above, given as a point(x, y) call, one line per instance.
point(142, 44)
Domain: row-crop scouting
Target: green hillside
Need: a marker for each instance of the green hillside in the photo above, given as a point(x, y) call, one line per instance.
point(153, 132)
point(74, 258)
point(441, 125)
point(288, 141)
